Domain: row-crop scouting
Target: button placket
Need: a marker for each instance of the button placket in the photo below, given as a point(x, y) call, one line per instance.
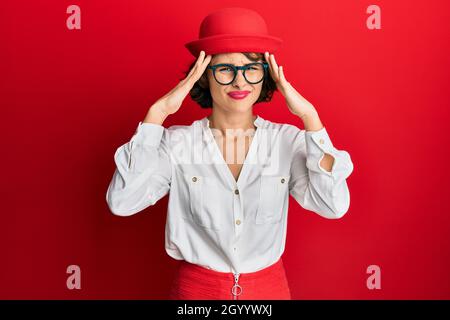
point(237, 201)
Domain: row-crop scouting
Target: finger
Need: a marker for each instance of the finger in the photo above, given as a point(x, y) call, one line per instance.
point(194, 68)
point(197, 64)
point(201, 58)
point(201, 68)
point(206, 62)
point(201, 55)
point(274, 64)
point(267, 56)
point(189, 74)
point(274, 68)
point(199, 61)
point(197, 73)
point(282, 77)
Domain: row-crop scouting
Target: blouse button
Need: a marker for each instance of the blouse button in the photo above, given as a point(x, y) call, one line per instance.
point(238, 222)
point(321, 141)
point(282, 180)
point(236, 191)
point(194, 179)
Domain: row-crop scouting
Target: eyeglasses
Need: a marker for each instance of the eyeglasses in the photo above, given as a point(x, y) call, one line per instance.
point(225, 73)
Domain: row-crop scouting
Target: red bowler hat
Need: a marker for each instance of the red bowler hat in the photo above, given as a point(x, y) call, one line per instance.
point(233, 30)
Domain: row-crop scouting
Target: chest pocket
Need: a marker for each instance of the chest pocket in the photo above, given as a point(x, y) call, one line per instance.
point(202, 201)
point(272, 198)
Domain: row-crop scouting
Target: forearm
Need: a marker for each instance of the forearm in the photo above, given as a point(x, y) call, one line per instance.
point(155, 115)
point(312, 122)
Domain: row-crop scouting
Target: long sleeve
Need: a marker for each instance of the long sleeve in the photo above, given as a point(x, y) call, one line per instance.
point(143, 171)
point(314, 188)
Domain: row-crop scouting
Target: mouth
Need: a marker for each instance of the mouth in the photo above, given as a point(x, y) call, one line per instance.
point(238, 94)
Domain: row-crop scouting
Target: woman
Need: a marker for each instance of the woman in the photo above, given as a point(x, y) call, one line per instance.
point(227, 215)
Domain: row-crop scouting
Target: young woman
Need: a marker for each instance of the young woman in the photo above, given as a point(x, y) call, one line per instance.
point(230, 174)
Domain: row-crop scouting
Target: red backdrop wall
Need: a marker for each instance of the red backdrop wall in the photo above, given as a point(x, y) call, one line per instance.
point(71, 97)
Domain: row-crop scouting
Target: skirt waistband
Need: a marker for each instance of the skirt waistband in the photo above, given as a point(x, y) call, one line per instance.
point(275, 267)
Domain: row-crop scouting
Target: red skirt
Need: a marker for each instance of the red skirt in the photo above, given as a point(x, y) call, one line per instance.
point(194, 282)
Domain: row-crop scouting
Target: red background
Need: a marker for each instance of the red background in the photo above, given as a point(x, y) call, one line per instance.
point(70, 98)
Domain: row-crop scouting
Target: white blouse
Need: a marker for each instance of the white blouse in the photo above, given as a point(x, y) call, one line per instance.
point(212, 219)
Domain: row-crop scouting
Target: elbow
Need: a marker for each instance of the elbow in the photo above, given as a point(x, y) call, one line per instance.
point(340, 207)
point(337, 214)
point(119, 212)
point(116, 208)
point(334, 206)
point(332, 214)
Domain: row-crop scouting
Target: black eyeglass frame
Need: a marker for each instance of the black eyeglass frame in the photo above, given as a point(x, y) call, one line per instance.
point(237, 68)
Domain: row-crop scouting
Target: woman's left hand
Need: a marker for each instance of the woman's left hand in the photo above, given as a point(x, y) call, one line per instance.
point(296, 103)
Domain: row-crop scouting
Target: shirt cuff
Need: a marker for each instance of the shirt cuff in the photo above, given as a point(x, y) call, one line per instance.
point(148, 134)
point(317, 144)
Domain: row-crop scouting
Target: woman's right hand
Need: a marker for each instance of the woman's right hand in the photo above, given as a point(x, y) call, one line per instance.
point(171, 102)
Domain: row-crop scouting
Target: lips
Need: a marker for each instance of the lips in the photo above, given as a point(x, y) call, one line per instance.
point(238, 94)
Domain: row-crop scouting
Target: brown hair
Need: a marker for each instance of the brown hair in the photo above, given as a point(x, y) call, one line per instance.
point(200, 91)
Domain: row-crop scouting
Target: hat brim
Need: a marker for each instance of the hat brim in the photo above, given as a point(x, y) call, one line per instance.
point(234, 43)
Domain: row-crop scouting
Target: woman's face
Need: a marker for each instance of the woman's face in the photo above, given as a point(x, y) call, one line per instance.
point(219, 92)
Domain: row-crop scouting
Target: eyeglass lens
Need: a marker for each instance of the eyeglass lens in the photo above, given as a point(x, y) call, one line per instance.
point(254, 73)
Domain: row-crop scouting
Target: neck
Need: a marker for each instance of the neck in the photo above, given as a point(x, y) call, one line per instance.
point(232, 121)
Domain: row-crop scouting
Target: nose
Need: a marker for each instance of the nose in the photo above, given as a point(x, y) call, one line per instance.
point(239, 81)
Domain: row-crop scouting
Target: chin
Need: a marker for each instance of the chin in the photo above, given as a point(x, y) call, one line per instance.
point(241, 107)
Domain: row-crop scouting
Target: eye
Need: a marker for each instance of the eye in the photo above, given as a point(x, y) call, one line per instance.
point(225, 69)
point(253, 67)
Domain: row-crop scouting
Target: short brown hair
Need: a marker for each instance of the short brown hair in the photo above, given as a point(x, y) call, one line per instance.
point(201, 94)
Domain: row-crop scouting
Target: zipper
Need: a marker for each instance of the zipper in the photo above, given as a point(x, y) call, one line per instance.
point(236, 290)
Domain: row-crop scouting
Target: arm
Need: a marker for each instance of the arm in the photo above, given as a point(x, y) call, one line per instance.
point(314, 187)
point(143, 174)
point(318, 170)
point(143, 169)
